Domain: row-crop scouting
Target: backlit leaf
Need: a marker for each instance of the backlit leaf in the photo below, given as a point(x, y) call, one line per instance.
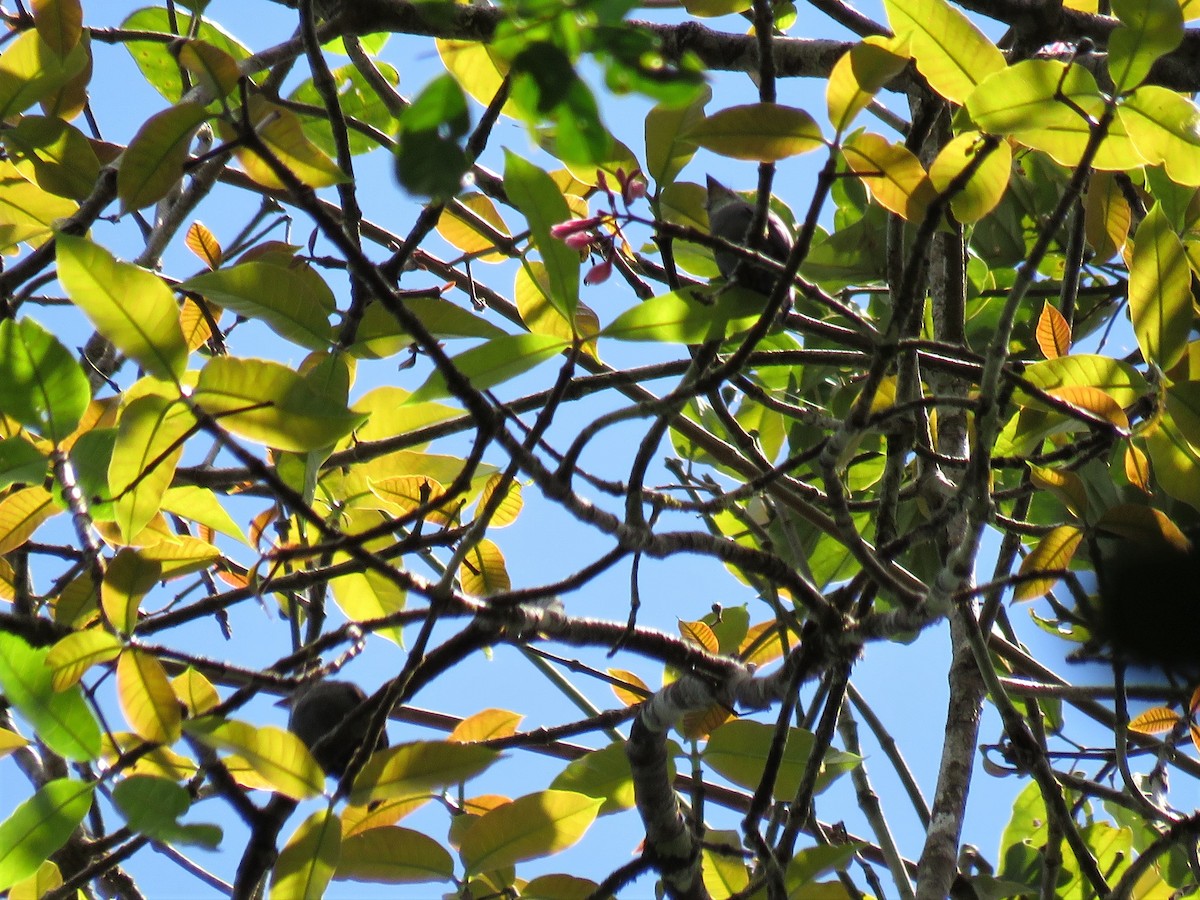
point(62, 719)
point(494, 362)
point(149, 703)
point(307, 862)
point(765, 132)
point(1054, 551)
point(276, 755)
point(42, 386)
point(483, 571)
point(1160, 296)
point(1149, 29)
point(1156, 720)
point(1053, 332)
point(393, 855)
point(39, 826)
point(859, 74)
point(530, 827)
point(987, 184)
point(152, 164)
point(951, 52)
point(419, 765)
point(893, 175)
point(71, 657)
point(131, 307)
point(21, 512)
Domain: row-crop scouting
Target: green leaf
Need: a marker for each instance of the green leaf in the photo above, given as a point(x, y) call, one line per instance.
point(738, 750)
point(765, 132)
point(419, 766)
point(307, 863)
point(39, 826)
point(294, 301)
point(20, 461)
point(131, 307)
point(394, 855)
point(861, 72)
point(63, 720)
point(152, 806)
point(41, 384)
point(152, 164)
point(1022, 100)
point(1176, 462)
point(494, 362)
point(358, 100)
point(1160, 296)
point(155, 58)
point(1163, 126)
point(985, 188)
point(543, 205)
point(430, 157)
point(380, 334)
point(603, 774)
point(668, 150)
point(267, 402)
point(530, 827)
point(546, 86)
point(1149, 29)
point(677, 318)
point(951, 52)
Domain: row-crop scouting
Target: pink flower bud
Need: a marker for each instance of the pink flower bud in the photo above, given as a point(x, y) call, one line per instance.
point(563, 230)
point(580, 240)
point(599, 273)
point(633, 189)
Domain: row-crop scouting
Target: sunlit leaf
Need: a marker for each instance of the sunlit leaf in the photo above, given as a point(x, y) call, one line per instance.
point(308, 860)
point(766, 132)
point(530, 827)
point(62, 719)
point(41, 384)
point(146, 697)
point(483, 571)
point(1156, 720)
point(131, 307)
point(392, 855)
point(1160, 296)
point(951, 52)
point(21, 512)
point(71, 657)
point(1054, 551)
point(893, 175)
point(1053, 332)
point(859, 74)
point(39, 826)
point(1149, 29)
point(420, 765)
point(277, 755)
point(152, 164)
point(494, 362)
point(985, 188)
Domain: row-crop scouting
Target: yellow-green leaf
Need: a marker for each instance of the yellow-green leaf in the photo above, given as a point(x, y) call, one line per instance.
point(485, 725)
point(859, 74)
point(393, 855)
point(460, 226)
point(987, 184)
point(128, 577)
point(268, 402)
point(149, 444)
point(277, 755)
point(494, 362)
point(78, 652)
point(31, 70)
point(39, 826)
point(1163, 125)
point(509, 506)
point(951, 52)
point(668, 149)
point(766, 132)
point(152, 164)
point(1160, 296)
point(59, 22)
point(1024, 100)
point(1149, 29)
point(131, 307)
point(420, 765)
point(530, 827)
point(308, 860)
point(1106, 217)
point(149, 703)
point(294, 301)
point(1054, 551)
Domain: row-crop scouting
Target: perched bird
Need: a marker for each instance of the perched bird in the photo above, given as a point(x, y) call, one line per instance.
point(729, 217)
point(1148, 611)
point(318, 709)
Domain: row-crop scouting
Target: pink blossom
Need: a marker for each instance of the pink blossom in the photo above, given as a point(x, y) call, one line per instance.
point(563, 230)
point(599, 273)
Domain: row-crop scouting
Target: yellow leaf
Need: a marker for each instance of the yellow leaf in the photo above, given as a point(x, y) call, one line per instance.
point(71, 657)
point(987, 184)
point(378, 813)
point(21, 512)
point(1054, 551)
point(893, 175)
point(1095, 401)
point(509, 507)
point(637, 690)
point(1053, 332)
point(1106, 216)
point(463, 226)
point(700, 634)
point(276, 755)
point(1137, 468)
point(195, 692)
point(204, 244)
point(283, 133)
point(485, 725)
point(483, 571)
point(1064, 484)
point(1154, 721)
point(149, 704)
point(530, 827)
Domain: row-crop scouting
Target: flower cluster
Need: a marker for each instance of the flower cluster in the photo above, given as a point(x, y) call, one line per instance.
point(595, 235)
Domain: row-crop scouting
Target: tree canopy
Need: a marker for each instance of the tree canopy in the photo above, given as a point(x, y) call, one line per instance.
point(964, 395)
